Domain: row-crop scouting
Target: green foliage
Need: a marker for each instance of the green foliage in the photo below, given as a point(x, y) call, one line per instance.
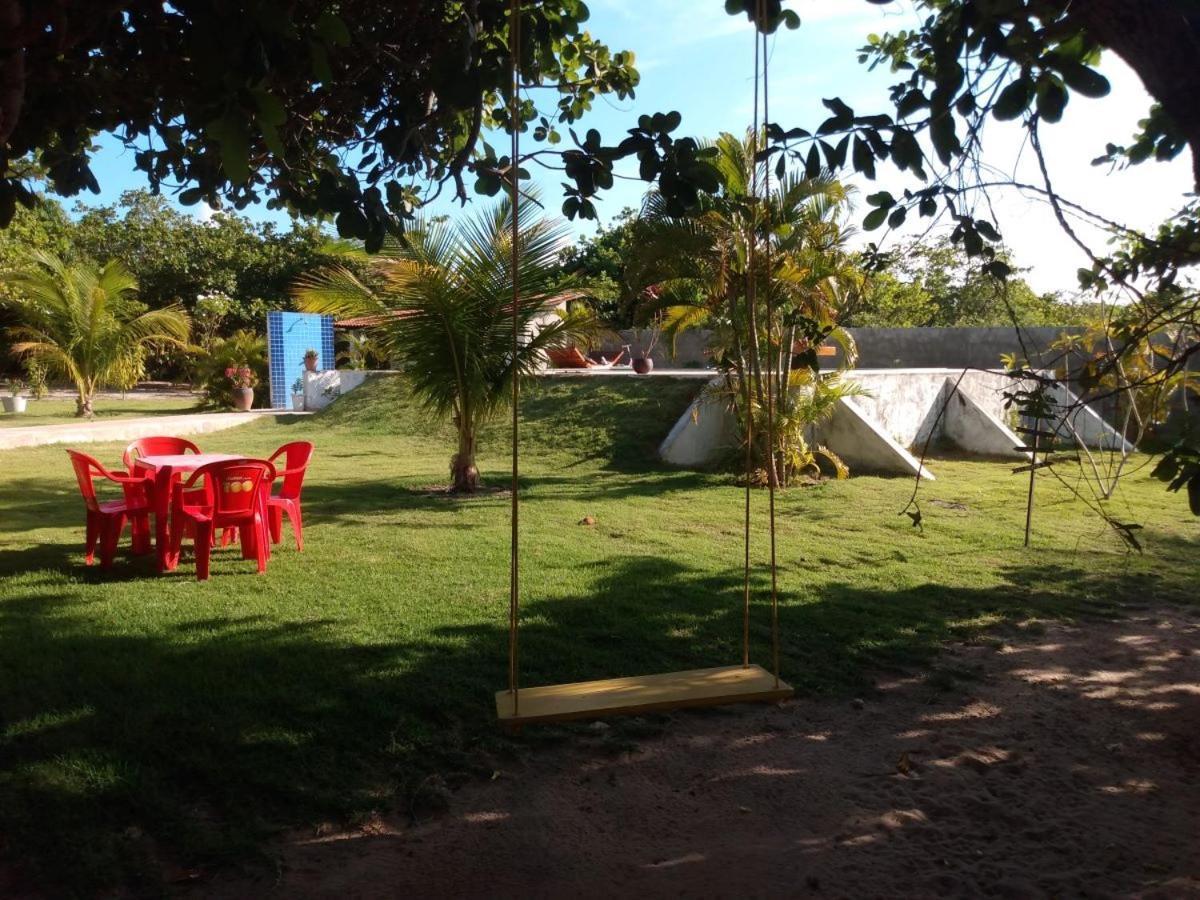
point(935, 285)
point(248, 106)
point(445, 312)
point(35, 377)
point(83, 324)
point(696, 271)
point(179, 259)
point(242, 348)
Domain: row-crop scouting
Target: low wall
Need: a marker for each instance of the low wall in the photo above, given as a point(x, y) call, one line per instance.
point(322, 388)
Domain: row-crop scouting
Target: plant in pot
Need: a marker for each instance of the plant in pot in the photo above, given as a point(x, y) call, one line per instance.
point(298, 395)
point(242, 380)
point(14, 402)
point(644, 341)
point(310, 360)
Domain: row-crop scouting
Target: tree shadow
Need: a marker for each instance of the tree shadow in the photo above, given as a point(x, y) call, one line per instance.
point(123, 750)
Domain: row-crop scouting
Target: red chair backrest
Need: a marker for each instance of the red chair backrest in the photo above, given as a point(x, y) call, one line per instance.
point(156, 446)
point(231, 487)
point(295, 462)
point(86, 468)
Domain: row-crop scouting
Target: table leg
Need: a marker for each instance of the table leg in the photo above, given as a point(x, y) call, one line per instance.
point(162, 510)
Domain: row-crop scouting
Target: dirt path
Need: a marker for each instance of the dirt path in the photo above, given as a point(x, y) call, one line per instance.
point(1061, 761)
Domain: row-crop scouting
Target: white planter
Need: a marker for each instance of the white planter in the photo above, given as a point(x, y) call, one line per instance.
point(298, 402)
point(14, 404)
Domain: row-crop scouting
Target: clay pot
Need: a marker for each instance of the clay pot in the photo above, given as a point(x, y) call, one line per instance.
point(243, 399)
point(310, 363)
point(643, 365)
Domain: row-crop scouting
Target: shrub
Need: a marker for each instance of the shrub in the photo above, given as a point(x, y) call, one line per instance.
point(240, 349)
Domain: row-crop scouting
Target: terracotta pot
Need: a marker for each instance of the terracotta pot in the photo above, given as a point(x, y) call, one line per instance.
point(643, 365)
point(243, 399)
point(310, 363)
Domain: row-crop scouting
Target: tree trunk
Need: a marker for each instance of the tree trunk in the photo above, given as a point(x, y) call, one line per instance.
point(83, 406)
point(463, 472)
point(1160, 41)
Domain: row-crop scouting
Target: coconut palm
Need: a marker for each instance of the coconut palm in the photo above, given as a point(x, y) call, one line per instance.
point(693, 272)
point(442, 304)
point(83, 323)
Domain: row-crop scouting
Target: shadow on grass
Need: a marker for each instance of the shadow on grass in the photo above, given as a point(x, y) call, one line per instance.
point(124, 753)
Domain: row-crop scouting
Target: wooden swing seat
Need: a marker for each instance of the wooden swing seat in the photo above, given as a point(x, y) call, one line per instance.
point(641, 693)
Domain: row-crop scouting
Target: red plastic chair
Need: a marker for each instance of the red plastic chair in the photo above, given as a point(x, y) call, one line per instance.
point(296, 456)
point(152, 446)
point(106, 518)
point(233, 496)
point(156, 446)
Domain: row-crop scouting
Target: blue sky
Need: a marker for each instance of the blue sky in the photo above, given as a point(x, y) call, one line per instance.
point(696, 59)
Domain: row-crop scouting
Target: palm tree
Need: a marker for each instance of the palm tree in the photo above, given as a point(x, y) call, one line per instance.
point(81, 322)
point(444, 311)
point(693, 272)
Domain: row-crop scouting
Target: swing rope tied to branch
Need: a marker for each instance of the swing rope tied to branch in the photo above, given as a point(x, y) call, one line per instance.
point(673, 695)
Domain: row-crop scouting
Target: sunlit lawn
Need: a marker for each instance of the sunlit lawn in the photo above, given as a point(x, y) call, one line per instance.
point(57, 411)
point(146, 718)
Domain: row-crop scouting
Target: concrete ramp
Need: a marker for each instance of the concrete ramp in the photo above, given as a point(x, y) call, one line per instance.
point(864, 445)
point(705, 428)
point(1078, 419)
point(970, 427)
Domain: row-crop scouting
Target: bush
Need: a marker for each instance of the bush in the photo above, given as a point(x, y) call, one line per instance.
point(242, 348)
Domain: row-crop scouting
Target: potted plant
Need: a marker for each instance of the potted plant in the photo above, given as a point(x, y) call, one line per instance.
point(644, 342)
point(243, 379)
point(310, 359)
point(15, 403)
point(298, 395)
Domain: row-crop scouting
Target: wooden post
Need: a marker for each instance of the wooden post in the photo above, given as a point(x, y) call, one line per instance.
point(1037, 427)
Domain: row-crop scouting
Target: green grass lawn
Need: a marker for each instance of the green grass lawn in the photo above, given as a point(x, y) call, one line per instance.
point(147, 720)
point(55, 411)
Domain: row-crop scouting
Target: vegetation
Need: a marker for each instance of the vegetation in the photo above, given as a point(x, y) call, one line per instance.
point(152, 720)
point(82, 323)
point(934, 284)
point(767, 279)
point(446, 315)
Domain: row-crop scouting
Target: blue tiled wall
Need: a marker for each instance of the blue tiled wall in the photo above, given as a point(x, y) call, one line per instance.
point(289, 335)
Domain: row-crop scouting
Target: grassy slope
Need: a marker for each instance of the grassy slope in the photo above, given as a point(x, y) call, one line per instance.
point(145, 716)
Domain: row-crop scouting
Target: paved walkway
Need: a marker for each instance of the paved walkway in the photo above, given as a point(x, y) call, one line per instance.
point(128, 429)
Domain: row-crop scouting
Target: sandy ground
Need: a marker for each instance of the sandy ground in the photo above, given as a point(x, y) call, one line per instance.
point(1053, 761)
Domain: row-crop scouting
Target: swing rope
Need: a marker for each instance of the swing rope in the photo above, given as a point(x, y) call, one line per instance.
point(514, 41)
point(774, 362)
point(761, 65)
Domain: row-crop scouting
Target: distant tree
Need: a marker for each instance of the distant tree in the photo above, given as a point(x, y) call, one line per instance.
point(81, 322)
point(179, 259)
point(936, 285)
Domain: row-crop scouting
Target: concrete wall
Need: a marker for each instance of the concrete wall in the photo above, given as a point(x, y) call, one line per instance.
point(905, 402)
point(322, 388)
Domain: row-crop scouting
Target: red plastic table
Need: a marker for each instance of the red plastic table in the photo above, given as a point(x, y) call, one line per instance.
point(165, 467)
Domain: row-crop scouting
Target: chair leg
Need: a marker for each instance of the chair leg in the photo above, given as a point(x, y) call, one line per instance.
point(275, 521)
point(92, 537)
point(112, 528)
point(204, 541)
point(293, 510)
point(228, 536)
point(262, 543)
